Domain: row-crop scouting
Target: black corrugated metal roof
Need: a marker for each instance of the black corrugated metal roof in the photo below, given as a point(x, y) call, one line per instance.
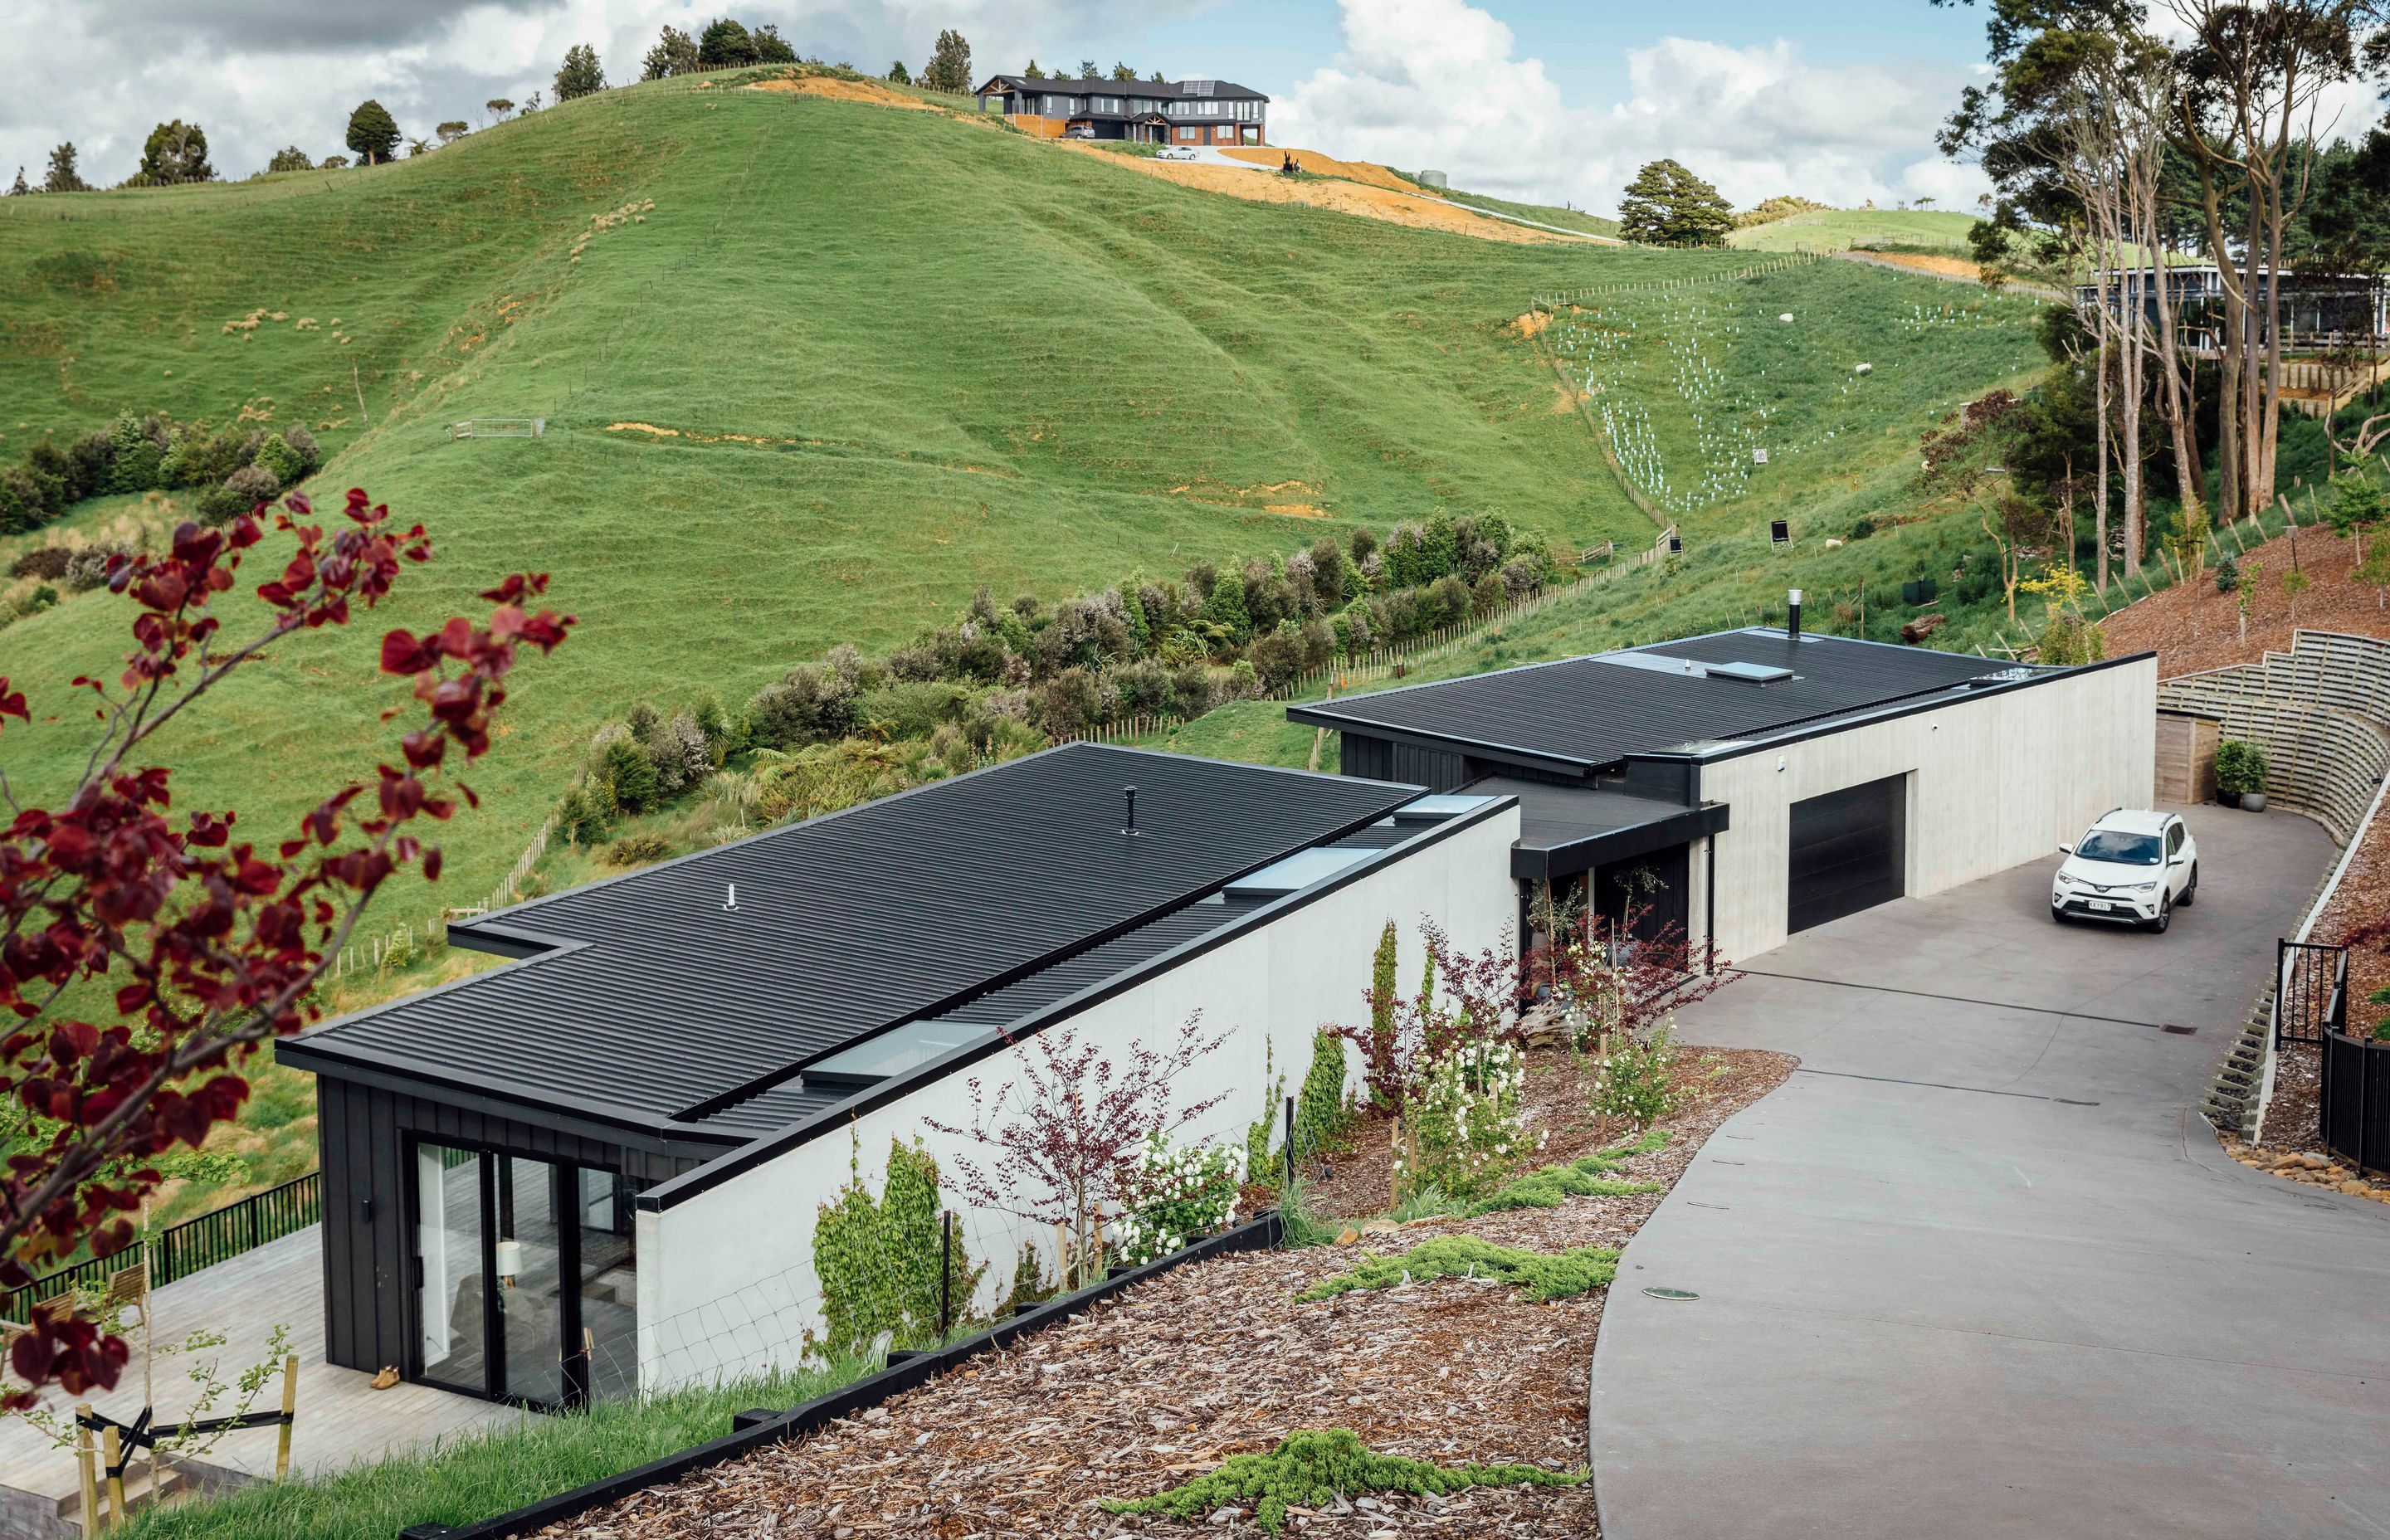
point(651, 999)
point(1597, 711)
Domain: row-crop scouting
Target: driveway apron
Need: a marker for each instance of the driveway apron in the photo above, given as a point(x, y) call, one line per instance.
point(1978, 1268)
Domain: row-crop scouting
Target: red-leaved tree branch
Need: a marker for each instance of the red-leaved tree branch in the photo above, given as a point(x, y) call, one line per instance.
point(209, 945)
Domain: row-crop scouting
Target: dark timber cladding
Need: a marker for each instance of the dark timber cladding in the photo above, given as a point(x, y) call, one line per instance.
point(1582, 714)
point(647, 1003)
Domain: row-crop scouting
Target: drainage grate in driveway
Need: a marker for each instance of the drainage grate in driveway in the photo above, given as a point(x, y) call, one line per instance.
point(1672, 1293)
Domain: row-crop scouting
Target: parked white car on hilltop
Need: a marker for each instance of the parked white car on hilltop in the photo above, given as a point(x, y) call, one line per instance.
point(2128, 866)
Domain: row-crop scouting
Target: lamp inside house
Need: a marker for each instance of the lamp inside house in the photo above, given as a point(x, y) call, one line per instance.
point(510, 1262)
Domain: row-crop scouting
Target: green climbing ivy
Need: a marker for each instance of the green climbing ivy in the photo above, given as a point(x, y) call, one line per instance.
point(1579, 1270)
point(1313, 1467)
point(1588, 1176)
point(1381, 996)
point(1319, 1110)
point(1259, 1167)
point(877, 1259)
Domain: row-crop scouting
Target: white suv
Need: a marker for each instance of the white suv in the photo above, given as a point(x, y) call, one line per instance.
point(2132, 866)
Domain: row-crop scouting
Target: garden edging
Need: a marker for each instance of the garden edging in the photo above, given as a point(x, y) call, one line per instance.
point(1258, 1234)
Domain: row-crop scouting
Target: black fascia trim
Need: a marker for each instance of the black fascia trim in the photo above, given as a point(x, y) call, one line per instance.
point(605, 1125)
point(1468, 748)
point(722, 1101)
point(1542, 863)
point(1957, 695)
point(829, 1120)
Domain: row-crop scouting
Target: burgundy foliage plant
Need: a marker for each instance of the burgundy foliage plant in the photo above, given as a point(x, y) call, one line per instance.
point(210, 944)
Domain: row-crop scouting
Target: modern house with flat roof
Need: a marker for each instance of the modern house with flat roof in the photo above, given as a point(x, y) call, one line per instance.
point(1746, 785)
point(1145, 111)
point(598, 1168)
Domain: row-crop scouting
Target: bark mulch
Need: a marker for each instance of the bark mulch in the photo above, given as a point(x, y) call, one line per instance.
point(2193, 628)
point(1163, 1382)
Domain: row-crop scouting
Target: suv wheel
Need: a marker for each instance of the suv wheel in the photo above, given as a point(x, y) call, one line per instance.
point(2166, 915)
point(2191, 889)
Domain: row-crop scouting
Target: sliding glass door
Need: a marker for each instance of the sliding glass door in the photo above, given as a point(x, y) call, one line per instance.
point(526, 1285)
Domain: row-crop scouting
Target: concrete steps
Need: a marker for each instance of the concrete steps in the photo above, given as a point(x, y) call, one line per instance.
point(2231, 1100)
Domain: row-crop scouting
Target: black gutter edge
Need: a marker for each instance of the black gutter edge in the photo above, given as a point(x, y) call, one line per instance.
point(1259, 1234)
point(831, 1119)
point(1861, 717)
point(1542, 863)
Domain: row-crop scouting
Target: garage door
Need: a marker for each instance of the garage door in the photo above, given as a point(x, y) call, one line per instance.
point(1850, 852)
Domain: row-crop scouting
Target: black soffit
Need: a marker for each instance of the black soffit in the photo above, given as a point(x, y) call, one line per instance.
point(645, 997)
point(1597, 710)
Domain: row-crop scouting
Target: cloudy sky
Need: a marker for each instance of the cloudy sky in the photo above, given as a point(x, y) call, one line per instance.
point(1552, 99)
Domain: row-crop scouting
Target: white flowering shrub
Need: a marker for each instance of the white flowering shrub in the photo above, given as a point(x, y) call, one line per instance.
point(1175, 1196)
point(1465, 1126)
point(1636, 1080)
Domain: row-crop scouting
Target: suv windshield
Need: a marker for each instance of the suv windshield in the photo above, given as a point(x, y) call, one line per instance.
point(2130, 850)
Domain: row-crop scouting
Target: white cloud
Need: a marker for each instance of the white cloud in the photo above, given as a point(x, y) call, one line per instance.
point(1439, 83)
point(258, 74)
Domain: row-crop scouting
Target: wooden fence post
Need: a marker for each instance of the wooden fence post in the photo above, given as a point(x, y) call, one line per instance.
point(290, 1410)
point(90, 1478)
point(111, 1449)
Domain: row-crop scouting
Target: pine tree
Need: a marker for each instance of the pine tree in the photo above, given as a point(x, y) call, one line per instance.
point(771, 47)
point(1666, 205)
point(1227, 607)
point(373, 133)
point(22, 188)
point(898, 74)
point(723, 44)
point(949, 68)
point(580, 75)
point(63, 177)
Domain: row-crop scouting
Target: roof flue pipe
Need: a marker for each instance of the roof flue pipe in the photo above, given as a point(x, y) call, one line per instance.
point(1130, 792)
point(1792, 613)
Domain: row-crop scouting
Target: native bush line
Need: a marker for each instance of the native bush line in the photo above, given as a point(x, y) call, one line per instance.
point(233, 470)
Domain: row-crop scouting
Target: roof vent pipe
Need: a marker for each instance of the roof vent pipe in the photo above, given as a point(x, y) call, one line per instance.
point(1130, 791)
point(1792, 613)
point(730, 902)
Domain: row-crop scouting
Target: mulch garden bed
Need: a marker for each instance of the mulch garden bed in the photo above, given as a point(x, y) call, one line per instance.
point(2193, 628)
point(1163, 1382)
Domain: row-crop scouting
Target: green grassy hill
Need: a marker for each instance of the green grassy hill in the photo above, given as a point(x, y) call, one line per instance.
point(853, 363)
point(888, 356)
point(1839, 229)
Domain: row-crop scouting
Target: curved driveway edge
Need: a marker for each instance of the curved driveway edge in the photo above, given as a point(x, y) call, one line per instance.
point(1977, 1269)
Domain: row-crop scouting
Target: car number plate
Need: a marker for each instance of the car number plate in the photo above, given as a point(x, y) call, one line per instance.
point(2101, 905)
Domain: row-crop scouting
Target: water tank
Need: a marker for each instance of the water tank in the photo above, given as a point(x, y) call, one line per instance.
point(1433, 179)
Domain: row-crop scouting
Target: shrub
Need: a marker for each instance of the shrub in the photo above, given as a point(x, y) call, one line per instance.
point(1318, 1469)
point(810, 705)
point(140, 444)
point(1543, 1275)
point(41, 598)
point(578, 816)
point(242, 491)
point(1637, 1081)
point(43, 561)
point(2239, 766)
point(636, 850)
point(1465, 1126)
point(628, 774)
point(276, 456)
point(2070, 639)
point(303, 445)
point(2228, 575)
point(24, 502)
point(88, 568)
point(1175, 1196)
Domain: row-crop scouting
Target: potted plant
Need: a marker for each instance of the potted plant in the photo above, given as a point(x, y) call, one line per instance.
point(2240, 775)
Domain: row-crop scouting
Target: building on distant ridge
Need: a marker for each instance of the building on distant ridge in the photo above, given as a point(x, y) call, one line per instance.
point(1155, 112)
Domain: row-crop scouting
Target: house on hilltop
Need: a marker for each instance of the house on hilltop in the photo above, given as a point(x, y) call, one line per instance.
point(1152, 113)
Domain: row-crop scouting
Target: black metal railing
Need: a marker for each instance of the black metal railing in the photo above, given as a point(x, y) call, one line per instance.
point(2353, 1102)
point(2310, 991)
point(180, 1250)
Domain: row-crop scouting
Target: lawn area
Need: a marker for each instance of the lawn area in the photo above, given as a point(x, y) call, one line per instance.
point(1838, 229)
point(483, 1474)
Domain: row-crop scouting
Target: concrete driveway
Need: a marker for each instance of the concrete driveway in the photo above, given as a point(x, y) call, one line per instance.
point(1977, 1269)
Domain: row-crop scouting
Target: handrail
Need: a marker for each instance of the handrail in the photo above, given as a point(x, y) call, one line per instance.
point(195, 1243)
